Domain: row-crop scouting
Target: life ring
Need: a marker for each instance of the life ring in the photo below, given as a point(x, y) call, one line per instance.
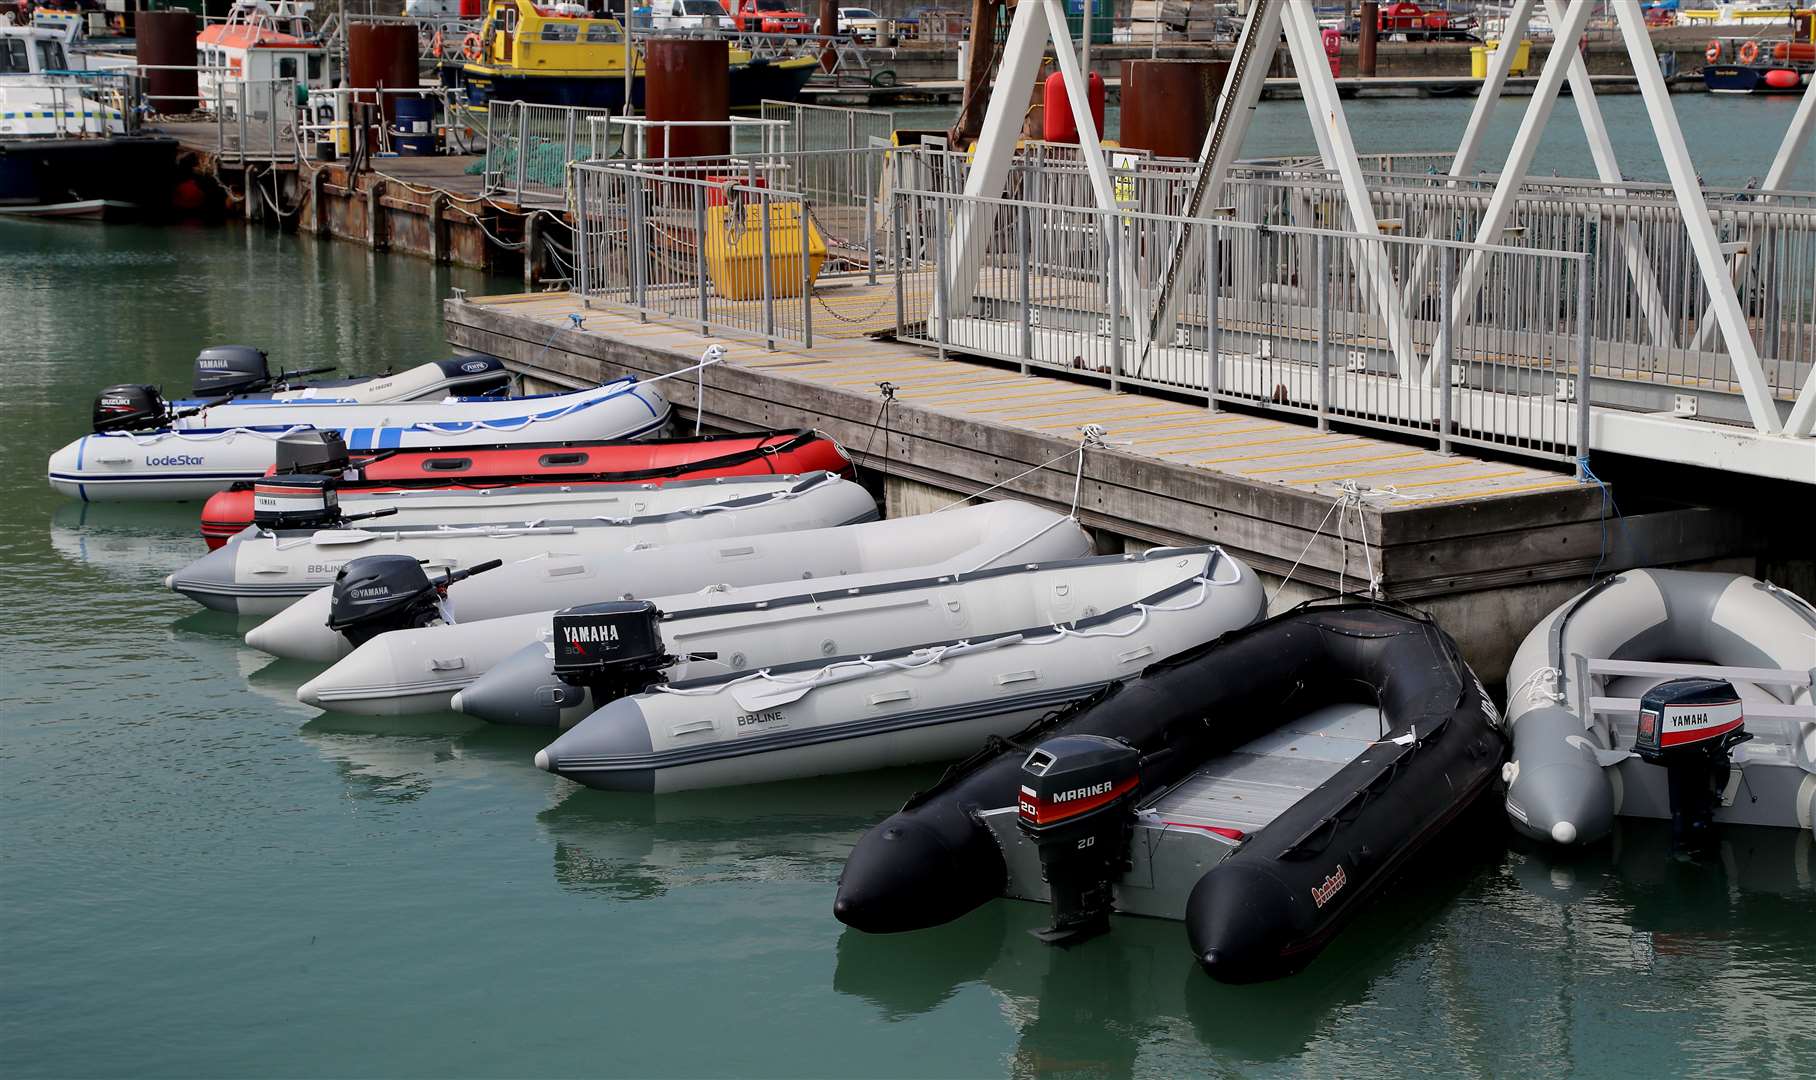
point(1713, 52)
point(435, 45)
point(1749, 52)
point(469, 46)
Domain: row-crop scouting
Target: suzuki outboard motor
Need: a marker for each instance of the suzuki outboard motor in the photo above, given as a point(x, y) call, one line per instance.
point(130, 407)
point(377, 593)
point(612, 649)
point(296, 501)
point(1689, 726)
point(312, 451)
point(231, 369)
point(1076, 805)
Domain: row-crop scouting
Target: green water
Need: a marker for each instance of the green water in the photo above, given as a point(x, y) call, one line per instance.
point(199, 877)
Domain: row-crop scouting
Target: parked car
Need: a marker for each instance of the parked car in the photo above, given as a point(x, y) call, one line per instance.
point(689, 15)
point(861, 25)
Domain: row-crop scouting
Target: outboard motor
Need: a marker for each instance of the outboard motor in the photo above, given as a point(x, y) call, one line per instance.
point(1077, 797)
point(130, 407)
point(231, 369)
point(296, 501)
point(378, 593)
point(312, 451)
point(1689, 726)
point(611, 649)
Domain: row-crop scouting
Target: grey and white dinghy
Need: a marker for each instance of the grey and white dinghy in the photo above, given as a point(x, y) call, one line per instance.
point(422, 669)
point(260, 572)
point(1664, 694)
point(963, 537)
point(1020, 642)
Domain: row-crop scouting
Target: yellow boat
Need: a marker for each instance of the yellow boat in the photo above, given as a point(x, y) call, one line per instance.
point(563, 55)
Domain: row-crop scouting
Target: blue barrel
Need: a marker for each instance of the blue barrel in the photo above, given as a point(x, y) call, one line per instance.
point(413, 133)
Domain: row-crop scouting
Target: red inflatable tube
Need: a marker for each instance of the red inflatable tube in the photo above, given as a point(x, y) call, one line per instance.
point(640, 461)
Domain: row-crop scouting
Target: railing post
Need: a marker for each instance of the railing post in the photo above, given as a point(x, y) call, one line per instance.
point(1323, 331)
point(939, 276)
point(1114, 221)
point(869, 217)
point(1024, 285)
point(700, 254)
point(635, 248)
point(769, 295)
point(1213, 283)
point(582, 273)
point(240, 116)
point(1583, 324)
point(523, 133)
point(1441, 353)
point(897, 212)
point(800, 205)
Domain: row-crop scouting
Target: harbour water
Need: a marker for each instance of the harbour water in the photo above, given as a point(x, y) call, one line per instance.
point(200, 877)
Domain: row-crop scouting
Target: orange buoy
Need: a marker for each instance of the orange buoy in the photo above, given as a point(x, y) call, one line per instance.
point(1713, 52)
point(469, 46)
point(1782, 79)
point(1057, 123)
point(1749, 52)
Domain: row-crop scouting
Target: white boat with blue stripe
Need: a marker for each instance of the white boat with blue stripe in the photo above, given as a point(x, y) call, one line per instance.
point(143, 449)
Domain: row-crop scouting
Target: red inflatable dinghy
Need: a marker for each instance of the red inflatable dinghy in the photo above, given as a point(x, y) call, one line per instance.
point(640, 461)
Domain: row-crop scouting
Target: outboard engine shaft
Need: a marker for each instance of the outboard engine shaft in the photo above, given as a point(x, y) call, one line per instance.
point(611, 649)
point(377, 593)
point(231, 369)
point(130, 407)
point(1077, 794)
point(1689, 727)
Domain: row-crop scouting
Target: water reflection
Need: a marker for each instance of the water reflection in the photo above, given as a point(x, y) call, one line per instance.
point(630, 846)
point(402, 758)
point(135, 543)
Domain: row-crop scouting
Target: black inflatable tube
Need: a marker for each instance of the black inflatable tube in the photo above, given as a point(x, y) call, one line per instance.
point(1268, 909)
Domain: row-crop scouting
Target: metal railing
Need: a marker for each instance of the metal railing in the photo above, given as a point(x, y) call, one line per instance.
point(828, 127)
point(256, 120)
point(1295, 319)
point(725, 256)
point(529, 148)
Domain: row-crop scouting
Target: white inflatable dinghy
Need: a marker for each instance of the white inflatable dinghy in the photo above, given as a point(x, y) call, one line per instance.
point(245, 373)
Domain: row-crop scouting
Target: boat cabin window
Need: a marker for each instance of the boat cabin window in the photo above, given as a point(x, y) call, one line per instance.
point(286, 67)
point(12, 56)
point(50, 56)
point(560, 31)
point(602, 32)
point(315, 69)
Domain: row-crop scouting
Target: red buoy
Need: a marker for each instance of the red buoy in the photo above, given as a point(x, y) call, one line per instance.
point(1782, 79)
point(1056, 113)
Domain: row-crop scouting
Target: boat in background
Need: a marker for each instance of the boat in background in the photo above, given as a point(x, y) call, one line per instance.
point(261, 41)
point(1760, 65)
point(65, 144)
point(563, 55)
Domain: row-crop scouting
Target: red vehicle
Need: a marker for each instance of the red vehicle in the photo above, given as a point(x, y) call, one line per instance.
point(1415, 23)
point(640, 461)
point(767, 17)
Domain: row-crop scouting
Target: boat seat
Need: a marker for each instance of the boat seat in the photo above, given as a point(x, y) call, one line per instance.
point(1258, 781)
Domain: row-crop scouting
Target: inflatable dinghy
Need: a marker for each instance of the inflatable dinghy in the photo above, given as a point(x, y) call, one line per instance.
point(414, 670)
point(478, 474)
point(1260, 788)
point(961, 538)
point(872, 688)
point(1664, 694)
point(144, 449)
point(262, 571)
point(245, 373)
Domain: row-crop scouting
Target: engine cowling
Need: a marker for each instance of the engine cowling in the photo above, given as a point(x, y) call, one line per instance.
point(129, 407)
point(1077, 797)
point(1689, 727)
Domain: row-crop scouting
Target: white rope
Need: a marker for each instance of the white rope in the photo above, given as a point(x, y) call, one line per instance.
point(189, 435)
point(1351, 499)
point(1092, 438)
point(1541, 684)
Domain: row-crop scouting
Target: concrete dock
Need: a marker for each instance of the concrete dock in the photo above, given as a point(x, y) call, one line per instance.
point(1487, 545)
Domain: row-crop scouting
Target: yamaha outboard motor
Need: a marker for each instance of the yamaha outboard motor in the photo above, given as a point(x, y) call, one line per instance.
point(377, 593)
point(612, 649)
point(1077, 798)
point(312, 451)
point(130, 407)
point(1689, 726)
point(231, 369)
point(296, 501)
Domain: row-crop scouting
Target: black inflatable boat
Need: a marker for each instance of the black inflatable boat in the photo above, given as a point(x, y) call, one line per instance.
point(1261, 788)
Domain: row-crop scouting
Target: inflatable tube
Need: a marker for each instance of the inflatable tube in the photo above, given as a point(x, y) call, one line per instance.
point(459, 376)
point(979, 656)
point(963, 537)
point(261, 572)
point(478, 473)
point(417, 669)
point(1274, 896)
point(1576, 677)
point(206, 452)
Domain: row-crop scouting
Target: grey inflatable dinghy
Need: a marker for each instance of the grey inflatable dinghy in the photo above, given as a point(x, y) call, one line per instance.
point(1664, 694)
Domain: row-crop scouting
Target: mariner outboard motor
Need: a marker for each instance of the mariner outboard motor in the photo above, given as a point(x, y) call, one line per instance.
point(313, 451)
point(1689, 727)
point(226, 370)
point(130, 407)
point(612, 649)
point(1076, 805)
point(378, 593)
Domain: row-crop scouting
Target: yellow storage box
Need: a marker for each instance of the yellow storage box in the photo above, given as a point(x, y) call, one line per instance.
point(734, 250)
